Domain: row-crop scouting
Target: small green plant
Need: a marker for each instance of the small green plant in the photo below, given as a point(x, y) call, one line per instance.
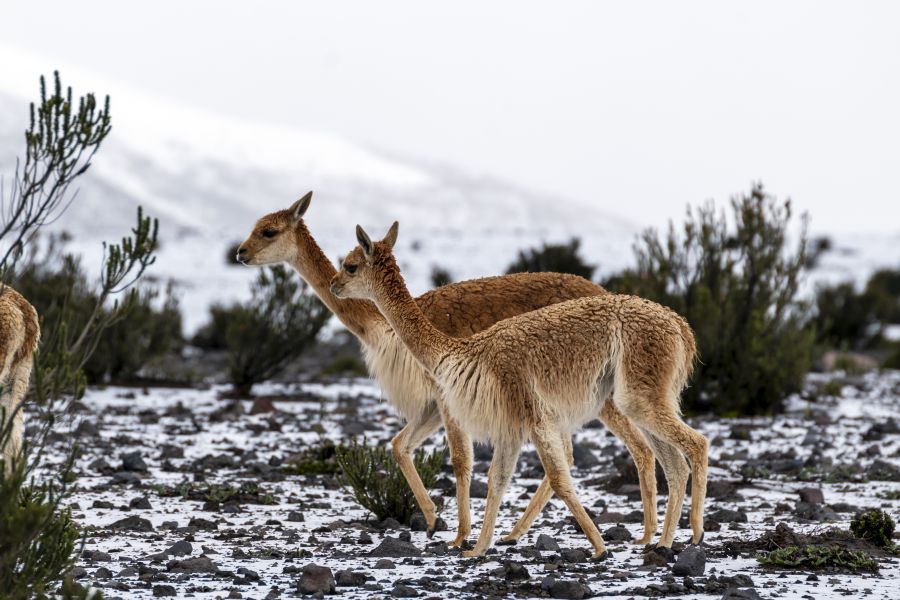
point(556, 258)
point(819, 558)
point(377, 482)
point(281, 320)
point(874, 526)
point(320, 459)
point(736, 281)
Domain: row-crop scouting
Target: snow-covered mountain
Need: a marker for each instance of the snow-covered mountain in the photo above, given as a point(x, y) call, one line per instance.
point(208, 178)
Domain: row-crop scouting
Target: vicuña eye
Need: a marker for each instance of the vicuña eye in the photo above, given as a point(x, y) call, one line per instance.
point(270, 233)
point(350, 269)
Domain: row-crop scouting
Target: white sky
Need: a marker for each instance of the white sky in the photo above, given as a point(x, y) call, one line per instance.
point(642, 107)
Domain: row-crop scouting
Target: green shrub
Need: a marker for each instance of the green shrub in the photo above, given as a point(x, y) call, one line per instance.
point(377, 482)
point(320, 459)
point(845, 318)
point(280, 321)
point(346, 365)
point(874, 526)
point(819, 558)
point(556, 258)
point(736, 283)
point(440, 276)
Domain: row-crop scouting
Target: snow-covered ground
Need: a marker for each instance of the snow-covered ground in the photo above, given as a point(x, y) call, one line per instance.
point(189, 437)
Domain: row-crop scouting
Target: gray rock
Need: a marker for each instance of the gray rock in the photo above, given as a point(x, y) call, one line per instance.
point(316, 579)
point(132, 523)
point(102, 573)
point(160, 591)
point(394, 547)
point(617, 534)
point(404, 591)
point(478, 489)
point(385, 564)
point(515, 571)
point(691, 561)
point(417, 522)
point(741, 594)
point(546, 543)
point(140, 503)
point(565, 588)
point(811, 495)
point(724, 515)
point(348, 578)
point(296, 517)
point(133, 461)
point(584, 457)
point(199, 564)
point(574, 555)
point(180, 548)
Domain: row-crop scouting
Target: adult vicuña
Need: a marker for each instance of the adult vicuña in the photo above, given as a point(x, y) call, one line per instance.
point(542, 374)
point(19, 336)
point(458, 310)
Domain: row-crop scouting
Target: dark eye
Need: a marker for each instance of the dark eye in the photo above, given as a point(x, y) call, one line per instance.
point(350, 269)
point(270, 233)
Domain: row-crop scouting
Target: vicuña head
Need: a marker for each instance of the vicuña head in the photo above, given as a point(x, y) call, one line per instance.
point(274, 237)
point(356, 275)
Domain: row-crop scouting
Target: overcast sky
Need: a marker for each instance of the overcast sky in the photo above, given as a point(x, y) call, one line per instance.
point(641, 107)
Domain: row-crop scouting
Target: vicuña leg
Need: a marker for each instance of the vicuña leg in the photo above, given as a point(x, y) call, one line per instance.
point(506, 454)
point(538, 501)
point(622, 427)
point(460, 446)
point(404, 444)
point(552, 450)
point(668, 427)
point(12, 396)
point(676, 470)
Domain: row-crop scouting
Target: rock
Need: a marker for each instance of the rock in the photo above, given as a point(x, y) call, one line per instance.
point(881, 470)
point(99, 465)
point(617, 534)
point(385, 564)
point(296, 517)
point(574, 555)
point(390, 523)
point(546, 543)
point(584, 457)
point(815, 512)
point(262, 406)
point(404, 591)
point(348, 578)
point(160, 591)
point(96, 555)
point(126, 478)
point(515, 571)
point(654, 559)
point(87, 429)
point(565, 588)
point(132, 523)
point(394, 547)
point(724, 515)
point(417, 522)
point(316, 579)
point(133, 461)
point(478, 489)
point(811, 495)
point(180, 548)
point(199, 564)
point(204, 524)
point(364, 538)
point(102, 573)
point(140, 503)
point(741, 594)
point(691, 561)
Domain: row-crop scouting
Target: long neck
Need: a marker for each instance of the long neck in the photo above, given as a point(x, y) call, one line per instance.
point(358, 316)
point(393, 299)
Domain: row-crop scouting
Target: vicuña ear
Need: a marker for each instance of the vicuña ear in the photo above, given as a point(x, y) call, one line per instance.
point(391, 238)
point(298, 208)
point(365, 242)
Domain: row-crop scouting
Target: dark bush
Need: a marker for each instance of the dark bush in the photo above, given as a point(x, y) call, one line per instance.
point(874, 526)
point(555, 258)
point(377, 482)
point(231, 254)
point(440, 276)
point(736, 284)
point(848, 319)
point(278, 323)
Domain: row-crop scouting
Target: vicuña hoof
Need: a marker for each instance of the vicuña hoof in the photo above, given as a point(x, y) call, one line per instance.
point(508, 540)
point(458, 541)
point(643, 541)
point(472, 554)
point(700, 541)
point(601, 556)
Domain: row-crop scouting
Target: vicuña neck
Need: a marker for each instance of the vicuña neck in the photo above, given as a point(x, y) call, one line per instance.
point(393, 299)
point(358, 316)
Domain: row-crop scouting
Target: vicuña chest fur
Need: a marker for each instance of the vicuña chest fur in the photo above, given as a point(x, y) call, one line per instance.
point(405, 382)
